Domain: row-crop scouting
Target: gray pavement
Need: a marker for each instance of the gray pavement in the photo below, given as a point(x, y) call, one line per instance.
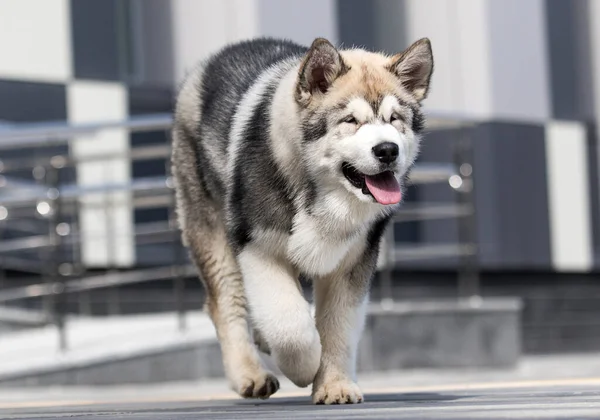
point(563, 387)
point(573, 401)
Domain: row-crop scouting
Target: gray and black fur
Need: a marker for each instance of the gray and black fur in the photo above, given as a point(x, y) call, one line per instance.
point(240, 203)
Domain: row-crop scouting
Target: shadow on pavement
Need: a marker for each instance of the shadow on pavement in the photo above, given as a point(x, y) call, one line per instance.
point(412, 397)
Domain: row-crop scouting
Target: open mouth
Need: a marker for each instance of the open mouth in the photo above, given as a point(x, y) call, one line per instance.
point(383, 187)
point(356, 178)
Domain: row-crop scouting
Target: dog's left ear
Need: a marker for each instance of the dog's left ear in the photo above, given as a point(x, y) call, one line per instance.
point(414, 67)
point(319, 69)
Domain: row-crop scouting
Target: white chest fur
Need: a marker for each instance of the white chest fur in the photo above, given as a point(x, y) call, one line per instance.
point(315, 251)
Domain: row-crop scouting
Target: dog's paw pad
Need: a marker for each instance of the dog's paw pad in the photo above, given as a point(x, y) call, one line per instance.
point(338, 392)
point(261, 386)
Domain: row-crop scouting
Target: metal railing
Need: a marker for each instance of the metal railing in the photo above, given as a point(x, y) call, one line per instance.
point(41, 215)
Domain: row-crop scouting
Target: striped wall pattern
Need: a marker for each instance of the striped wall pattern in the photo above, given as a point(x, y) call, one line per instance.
point(535, 88)
point(66, 60)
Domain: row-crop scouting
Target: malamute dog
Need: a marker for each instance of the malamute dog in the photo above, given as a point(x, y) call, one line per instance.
point(289, 161)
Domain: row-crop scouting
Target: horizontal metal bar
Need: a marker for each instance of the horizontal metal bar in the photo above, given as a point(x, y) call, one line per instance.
point(154, 201)
point(134, 154)
point(22, 244)
point(147, 184)
point(21, 264)
point(25, 226)
point(26, 209)
point(431, 211)
point(98, 282)
point(443, 120)
point(145, 233)
point(131, 277)
point(27, 292)
point(8, 183)
point(427, 173)
point(21, 136)
point(424, 252)
point(137, 153)
point(71, 191)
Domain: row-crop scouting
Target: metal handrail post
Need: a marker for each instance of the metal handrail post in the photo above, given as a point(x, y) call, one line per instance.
point(57, 297)
point(468, 274)
point(84, 298)
point(2, 230)
point(114, 294)
point(386, 276)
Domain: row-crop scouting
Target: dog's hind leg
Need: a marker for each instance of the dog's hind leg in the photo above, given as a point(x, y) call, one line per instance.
point(226, 304)
point(204, 235)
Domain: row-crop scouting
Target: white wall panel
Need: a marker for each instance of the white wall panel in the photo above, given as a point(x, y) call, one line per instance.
point(300, 21)
point(106, 218)
point(35, 40)
point(568, 196)
point(203, 26)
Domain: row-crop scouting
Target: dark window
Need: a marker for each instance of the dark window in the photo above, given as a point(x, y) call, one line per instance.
point(28, 101)
point(101, 39)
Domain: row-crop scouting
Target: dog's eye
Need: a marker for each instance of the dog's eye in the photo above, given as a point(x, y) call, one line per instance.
point(394, 117)
point(350, 120)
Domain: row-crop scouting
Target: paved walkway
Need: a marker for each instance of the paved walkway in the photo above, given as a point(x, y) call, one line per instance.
point(569, 400)
point(541, 388)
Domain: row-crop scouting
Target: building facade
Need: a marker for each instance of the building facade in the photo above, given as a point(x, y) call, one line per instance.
point(527, 72)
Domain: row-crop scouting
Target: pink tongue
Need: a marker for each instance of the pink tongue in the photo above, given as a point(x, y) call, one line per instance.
point(384, 187)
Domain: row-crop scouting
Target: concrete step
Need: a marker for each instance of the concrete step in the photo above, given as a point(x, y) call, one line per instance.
point(16, 319)
point(151, 348)
point(110, 350)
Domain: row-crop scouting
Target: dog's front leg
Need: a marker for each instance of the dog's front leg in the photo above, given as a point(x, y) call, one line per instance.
point(281, 314)
point(341, 302)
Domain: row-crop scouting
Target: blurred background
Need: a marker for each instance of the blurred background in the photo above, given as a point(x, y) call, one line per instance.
point(494, 257)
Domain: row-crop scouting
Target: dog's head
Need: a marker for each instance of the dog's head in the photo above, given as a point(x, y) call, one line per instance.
point(360, 116)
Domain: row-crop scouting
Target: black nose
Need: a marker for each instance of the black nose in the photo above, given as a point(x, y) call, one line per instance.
point(386, 152)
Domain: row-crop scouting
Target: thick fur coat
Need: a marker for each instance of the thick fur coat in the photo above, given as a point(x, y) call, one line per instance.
point(290, 161)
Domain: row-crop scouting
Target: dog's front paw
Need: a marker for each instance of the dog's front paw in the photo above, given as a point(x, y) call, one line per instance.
point(342, 391)
point(261, 385)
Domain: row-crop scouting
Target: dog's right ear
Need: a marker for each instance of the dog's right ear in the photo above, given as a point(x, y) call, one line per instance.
point(414, 68)
point(320, 67)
